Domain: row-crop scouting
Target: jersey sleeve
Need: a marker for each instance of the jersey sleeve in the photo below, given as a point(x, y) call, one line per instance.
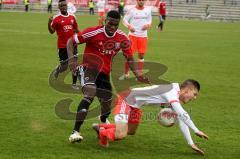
point(83, 37)
point(54, 23)
point(75, 25)
point(127, 18)
point(183, 116)
point(149, 18)
point(185, 131)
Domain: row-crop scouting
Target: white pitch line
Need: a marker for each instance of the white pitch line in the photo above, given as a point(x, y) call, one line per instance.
point(23, 32)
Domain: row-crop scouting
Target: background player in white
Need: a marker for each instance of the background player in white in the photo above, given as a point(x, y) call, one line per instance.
point(101, 11)
point(128, 113)
point(71, 8)
point(138, 20)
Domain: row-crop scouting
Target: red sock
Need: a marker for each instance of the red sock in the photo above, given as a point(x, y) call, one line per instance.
point(107, 126)
point(126, 68)
point(109, 133)
point(140, 66)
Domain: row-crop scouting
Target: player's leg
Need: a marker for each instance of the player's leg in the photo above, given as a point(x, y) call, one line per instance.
point(62, 54)
point(163, 21)
point(134, 120)
point(115, 131)
point(142, 48)
point(133, 50)
point(104, 94)
point(89, 92)
point(160, 25)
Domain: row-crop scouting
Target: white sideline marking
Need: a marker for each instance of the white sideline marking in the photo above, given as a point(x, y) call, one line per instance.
point(22, 32)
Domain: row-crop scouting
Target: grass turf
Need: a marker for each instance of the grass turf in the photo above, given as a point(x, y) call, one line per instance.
point(30, 128)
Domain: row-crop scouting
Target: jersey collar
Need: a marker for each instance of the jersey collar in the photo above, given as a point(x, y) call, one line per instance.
point(107, 34)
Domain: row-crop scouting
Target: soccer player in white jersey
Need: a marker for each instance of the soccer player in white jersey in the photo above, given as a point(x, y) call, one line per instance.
point(101, 11)
point(128, 113)
point(138, 20)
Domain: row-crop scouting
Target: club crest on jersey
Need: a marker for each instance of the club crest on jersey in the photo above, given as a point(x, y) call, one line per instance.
point(66, 28)
point(109, 47)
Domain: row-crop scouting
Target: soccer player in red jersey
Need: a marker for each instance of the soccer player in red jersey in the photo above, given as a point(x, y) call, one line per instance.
point(102, 44)
point(65, 25)
point(161, 4)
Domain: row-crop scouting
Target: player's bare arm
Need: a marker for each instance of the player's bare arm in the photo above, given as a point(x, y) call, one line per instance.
point(50, 28)
point(146, 27)
point(72, 63)
point(131, 28)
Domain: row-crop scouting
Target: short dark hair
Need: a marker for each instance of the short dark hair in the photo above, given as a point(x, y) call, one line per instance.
point(113, 14)
point(61, 1)
point(192, 82)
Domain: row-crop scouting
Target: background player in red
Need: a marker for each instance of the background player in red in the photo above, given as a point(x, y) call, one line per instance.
point(102, 44)
point(65, 25)
point(161, 4)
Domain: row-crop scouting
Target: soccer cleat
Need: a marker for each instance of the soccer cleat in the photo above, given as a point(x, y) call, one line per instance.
point(123, 77)
point(74, 86)
point(106, 122)
point(75, 137)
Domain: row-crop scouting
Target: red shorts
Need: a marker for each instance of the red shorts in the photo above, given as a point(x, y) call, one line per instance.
point(139, 44)
point(126, 113)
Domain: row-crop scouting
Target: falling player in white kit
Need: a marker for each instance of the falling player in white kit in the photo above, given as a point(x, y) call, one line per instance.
point(138, 20)
point(128, 114)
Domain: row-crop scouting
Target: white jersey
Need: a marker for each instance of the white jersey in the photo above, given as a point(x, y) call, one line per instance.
point(101, 5)
point(71, 8)
point(163, 94)
point(137, 19)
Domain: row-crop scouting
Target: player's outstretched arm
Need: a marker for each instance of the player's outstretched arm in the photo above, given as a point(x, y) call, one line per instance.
point(202, 135)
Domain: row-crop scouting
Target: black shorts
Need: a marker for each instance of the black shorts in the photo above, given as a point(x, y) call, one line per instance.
point(63, 55)
point(162, 17)
point(101, 80)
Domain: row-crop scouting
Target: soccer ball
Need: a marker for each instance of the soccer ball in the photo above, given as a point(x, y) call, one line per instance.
point(167, 117)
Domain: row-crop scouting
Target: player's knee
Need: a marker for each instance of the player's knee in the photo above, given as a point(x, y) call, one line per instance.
point(89, 90)
point(120, 135)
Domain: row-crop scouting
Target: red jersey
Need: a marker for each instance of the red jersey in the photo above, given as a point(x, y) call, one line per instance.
point(162, 8)
point(64, 26)
point(101, 48)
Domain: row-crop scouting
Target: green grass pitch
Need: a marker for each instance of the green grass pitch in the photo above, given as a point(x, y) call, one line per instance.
point(29, 127)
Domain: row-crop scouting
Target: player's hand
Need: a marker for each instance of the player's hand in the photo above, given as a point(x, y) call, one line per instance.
point(131, 28)
point(143, 79)
point(202, 134)
point(146, 27)
point(50, 19)
point(198, 150)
